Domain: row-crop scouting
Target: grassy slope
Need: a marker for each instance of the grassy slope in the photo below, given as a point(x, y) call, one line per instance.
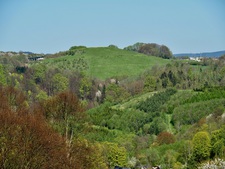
point(105, 62)
point(110, 62)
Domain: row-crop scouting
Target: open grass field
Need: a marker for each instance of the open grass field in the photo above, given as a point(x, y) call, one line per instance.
point(107, 62)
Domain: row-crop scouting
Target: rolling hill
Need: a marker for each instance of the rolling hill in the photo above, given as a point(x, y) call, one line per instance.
point(106, 62)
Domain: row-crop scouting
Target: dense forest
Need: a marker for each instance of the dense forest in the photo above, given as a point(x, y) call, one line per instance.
point(84, 108)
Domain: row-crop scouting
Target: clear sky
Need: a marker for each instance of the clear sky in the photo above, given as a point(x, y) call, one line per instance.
point(49, 26)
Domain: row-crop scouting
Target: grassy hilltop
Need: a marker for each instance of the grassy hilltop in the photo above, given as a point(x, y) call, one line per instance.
point(106, 62)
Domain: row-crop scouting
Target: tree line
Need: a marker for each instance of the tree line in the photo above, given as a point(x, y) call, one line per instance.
point(151, 49)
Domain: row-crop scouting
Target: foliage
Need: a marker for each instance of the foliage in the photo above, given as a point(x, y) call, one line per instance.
point(154, 49)
point(134, 47)
point(164, 52)
point(38, 73)
point(116, 156)
point(42, 96)
point(77, 47)
point(11, 62)
point(193, 112)
point(150, 84)
point(60, 83)
point(157, 125)
point(85, 87)
point(115, 93)
point(177, 100)
point(151, 49)
point(113, 46)
point(2, 75)
point(12, 100)
point(65, 113)
point(87, 155)
point(201, 146)
point(26, 140)
point(153, 156)
point(62, 105)
point(154, 103)
point(165, 138)
point(218, 142)
point(208, 94)
point(139, 118)
point(125, 120)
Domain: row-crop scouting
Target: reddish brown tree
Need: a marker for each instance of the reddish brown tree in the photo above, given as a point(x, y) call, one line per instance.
point(13, 99)
point(165, 138)
point(66, 114)
point(28, 142)
point(62, 105)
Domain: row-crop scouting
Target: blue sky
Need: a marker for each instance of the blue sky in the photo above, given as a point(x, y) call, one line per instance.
point(49, 26)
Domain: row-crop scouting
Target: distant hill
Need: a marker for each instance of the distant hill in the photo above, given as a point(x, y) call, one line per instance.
point(205, 54)
point(27, 52)
point(105, 62)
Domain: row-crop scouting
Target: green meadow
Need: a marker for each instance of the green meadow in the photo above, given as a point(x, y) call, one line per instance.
point(106, 62)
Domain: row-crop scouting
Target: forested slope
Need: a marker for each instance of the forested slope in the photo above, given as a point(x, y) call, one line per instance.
point(66, 111)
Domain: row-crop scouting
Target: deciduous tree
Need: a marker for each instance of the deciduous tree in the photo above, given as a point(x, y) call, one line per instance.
point(201, 146)
point(165, 138)
point(2, 75)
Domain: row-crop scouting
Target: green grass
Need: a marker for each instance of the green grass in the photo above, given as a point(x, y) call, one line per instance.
point(106, 62)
